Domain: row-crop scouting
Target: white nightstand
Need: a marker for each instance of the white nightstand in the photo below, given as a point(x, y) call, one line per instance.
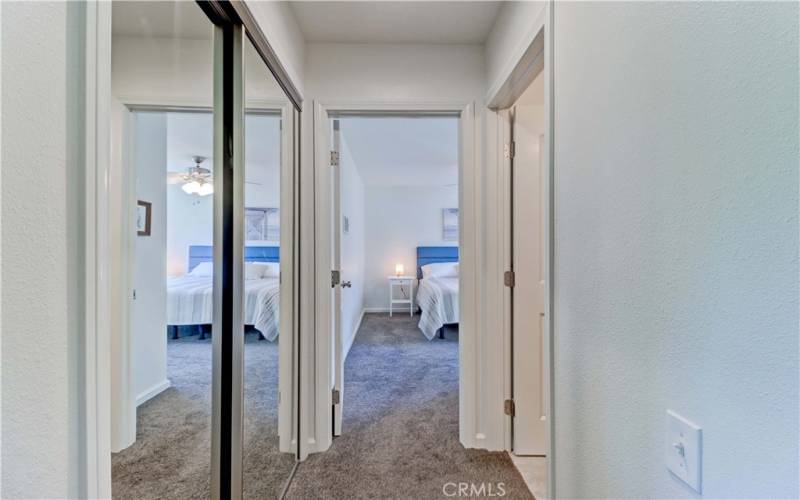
point(402, 281)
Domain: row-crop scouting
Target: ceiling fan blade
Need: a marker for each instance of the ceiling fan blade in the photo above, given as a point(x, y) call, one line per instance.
point(175, 178)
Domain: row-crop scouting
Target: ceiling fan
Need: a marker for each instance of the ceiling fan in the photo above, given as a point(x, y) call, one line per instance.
point(196, 180)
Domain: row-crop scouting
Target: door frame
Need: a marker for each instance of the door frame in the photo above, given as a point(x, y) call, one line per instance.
point(469, 184)
point(530, 59)
point(122, 361)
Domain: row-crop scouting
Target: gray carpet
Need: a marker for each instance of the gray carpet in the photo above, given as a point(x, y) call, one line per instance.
point(400, 425)
point(171, 456)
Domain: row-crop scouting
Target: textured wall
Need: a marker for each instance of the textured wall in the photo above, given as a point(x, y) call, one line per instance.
point(676, 245)
point(42, 266)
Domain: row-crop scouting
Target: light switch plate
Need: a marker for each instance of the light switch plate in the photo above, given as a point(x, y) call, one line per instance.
point(684, 450)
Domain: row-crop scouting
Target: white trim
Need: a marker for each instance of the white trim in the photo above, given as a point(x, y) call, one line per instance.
point(499, 135)
point(96, 423)
point(286, 428)
point(153, 392)
point(380, 309)
point(510, 69)
point(355, 332)
point(471, 254)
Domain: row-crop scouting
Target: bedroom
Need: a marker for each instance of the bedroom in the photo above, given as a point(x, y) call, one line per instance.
point(398, 252)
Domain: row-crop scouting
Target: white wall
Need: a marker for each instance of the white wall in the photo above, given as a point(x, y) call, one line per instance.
point(394, 73)
point(149, 314)
point(280, 27)
point(179, 71)
point(352, 245)
point(42, 256)
point(513, 31)
point(676, 204)
point(399, 219)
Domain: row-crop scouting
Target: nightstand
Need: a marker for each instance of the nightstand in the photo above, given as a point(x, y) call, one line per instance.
point(405, 283)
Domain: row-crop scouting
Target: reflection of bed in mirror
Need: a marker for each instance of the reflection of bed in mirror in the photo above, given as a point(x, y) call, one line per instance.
point(437, 292)
point(190, 299)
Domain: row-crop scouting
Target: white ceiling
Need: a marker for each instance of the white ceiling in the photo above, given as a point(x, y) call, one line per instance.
point(160, 19)
point(403, 151)
point(396, 22)
point(326, 21)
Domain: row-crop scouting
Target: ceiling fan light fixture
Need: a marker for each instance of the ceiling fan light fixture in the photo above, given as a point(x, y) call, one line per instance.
point(192, 187)
point(206, 189)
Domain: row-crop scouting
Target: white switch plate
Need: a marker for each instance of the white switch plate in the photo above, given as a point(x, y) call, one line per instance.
point(684, 450)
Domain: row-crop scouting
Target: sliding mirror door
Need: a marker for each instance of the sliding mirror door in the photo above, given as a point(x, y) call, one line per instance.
point(268, 451)
point(204, 347)
point(162, 272)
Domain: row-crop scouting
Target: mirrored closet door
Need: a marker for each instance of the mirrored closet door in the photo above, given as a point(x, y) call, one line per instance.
point(204, 141)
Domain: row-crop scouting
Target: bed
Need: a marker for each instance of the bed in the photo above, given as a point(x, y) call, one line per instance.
point(437, 297)
point(190, 299)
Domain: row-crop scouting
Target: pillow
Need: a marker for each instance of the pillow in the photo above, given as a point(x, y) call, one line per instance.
point(203, 270)
point(265, 269)
point(253, 271)
point(440, 270)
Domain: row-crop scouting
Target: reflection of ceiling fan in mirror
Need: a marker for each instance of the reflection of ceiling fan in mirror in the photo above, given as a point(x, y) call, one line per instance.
point(196, 180)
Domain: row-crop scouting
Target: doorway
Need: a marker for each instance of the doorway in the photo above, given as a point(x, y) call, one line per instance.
point(523, 108)
point(331, 379)
point(395, 252)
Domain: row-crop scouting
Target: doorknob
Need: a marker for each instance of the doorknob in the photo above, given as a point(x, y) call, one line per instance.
point(346, 284)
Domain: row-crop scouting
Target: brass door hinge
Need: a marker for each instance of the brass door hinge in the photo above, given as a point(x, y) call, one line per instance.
point(509, 408)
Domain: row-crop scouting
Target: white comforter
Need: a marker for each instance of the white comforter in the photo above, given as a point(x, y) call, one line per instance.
point(190, 302)
point(438, 299)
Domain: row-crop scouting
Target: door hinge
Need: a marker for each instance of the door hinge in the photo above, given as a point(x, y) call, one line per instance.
point(509, 150)
point(509, 279)
point(509, 408)
point(334, 158)
point(336, 278)
point(336, 396)
point(134, 294)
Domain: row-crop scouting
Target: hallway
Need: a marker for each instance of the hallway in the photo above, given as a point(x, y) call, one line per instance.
point(400, 429)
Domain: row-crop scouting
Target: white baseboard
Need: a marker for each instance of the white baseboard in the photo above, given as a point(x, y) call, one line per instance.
point(376, 310)
point(401, 309)
point(153, 391)
point(353, 336)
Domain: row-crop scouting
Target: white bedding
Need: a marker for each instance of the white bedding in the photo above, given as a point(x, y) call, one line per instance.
point(190, 302)
point(438, 299)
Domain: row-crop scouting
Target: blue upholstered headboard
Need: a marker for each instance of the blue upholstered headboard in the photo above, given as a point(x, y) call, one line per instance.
point(430, 255)
point(205, 253)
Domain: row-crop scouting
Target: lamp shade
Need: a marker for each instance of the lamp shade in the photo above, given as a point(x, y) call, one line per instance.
point(399, 269)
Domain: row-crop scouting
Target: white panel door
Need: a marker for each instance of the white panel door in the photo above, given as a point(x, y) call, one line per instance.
point(529, 289)
point(336, 310)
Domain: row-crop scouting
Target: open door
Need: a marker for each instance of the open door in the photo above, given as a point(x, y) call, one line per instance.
point(528, 198)
point(336, 281)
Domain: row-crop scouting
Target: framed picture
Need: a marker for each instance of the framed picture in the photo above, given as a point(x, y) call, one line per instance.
point(262, 224)
point(144, 217)
point(450, 224)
